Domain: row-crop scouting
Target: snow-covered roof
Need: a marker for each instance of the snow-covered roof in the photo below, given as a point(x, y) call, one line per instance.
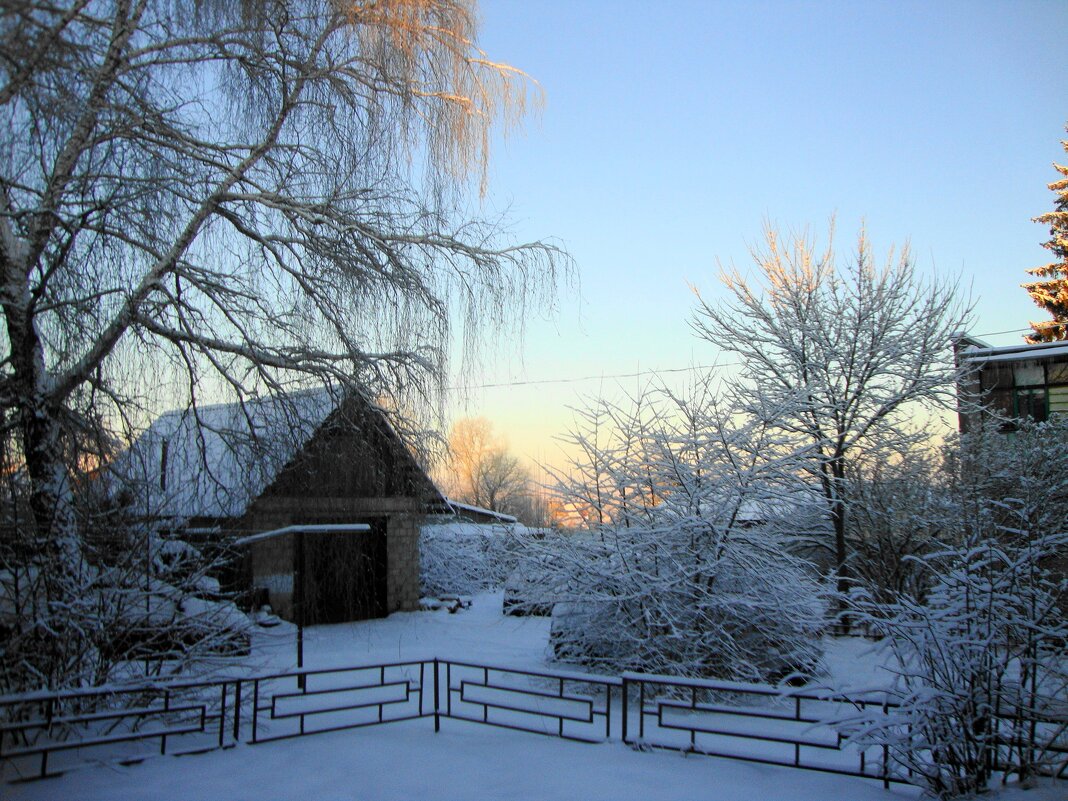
point(322, 528)
point(1013, 353)
point(212, 461)
point(458, 507)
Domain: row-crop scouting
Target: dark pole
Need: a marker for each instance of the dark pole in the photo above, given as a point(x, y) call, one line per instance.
point(298, 591)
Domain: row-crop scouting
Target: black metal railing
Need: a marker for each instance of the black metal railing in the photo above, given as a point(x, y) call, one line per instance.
point(43, 734)
point(755, 723)
point(297, 703)
point(574, 706)
point(188, 717)
point(182, 717)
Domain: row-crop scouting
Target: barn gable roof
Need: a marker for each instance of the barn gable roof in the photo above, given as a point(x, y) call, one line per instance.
point(213, 461)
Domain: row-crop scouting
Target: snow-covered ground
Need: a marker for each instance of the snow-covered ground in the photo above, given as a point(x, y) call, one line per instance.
point(464, 761)
point(408, 762)
point(480, 632)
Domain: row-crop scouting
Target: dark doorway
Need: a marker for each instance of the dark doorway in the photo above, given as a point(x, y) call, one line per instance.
point(345, 575)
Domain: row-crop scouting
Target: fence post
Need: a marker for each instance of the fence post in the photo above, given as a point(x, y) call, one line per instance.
point(255, 707)
point(886, 754)
point(797, 746)
point(641, 710)
point(608, 711)
point(625, 711)
point(437, 699)
point(237, 712)
point(166, 706)
point(222, 716)
point(50, 711)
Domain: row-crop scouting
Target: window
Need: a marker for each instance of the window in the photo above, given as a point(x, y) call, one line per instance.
point(1031, 402)
point(1058, 373)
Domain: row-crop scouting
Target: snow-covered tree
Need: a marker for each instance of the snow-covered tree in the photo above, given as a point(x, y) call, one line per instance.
point(1051, 292)
point(680, 567)
point(846, 358)
point(457, 557)
point(202, 199)
point(897, 511)
point(981, 654)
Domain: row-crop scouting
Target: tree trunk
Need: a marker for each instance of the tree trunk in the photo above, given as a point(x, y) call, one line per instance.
point(54, 637)
point(833, 485)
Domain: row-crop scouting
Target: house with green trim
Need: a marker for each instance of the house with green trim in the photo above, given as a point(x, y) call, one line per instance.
point(1010, 382)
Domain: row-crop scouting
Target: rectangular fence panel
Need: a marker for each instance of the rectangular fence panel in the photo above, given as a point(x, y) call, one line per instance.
point(314, 701)
point(751, 722)
point(44, 734)
point(569, 705)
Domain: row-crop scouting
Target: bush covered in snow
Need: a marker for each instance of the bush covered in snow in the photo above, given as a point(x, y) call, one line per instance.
point(983, 647)
point(680, 565)
point(457, 557)
point(686, 597)
point(149, 603)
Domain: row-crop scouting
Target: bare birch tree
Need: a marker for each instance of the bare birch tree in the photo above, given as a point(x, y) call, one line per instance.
point(204, 197)
point(850, 359)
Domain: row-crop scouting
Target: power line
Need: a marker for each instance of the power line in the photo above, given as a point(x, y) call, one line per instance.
point(640, 373)
point(996, 333)
point(577, 379)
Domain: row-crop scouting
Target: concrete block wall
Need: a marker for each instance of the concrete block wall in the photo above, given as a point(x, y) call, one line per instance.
point(402, 555)
point(273, 559)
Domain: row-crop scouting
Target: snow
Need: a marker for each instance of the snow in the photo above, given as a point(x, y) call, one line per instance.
point(479, 633)
point(1018, 356)
point(324, 528)
point(464, 761)
point(466, 507)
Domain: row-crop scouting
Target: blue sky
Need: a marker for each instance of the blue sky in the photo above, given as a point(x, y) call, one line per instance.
point(672, 131)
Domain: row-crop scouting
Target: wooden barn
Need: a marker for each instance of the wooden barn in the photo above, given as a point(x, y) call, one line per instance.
point(314, 488)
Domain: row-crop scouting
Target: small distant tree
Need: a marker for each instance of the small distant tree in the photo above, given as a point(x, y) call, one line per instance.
point(1051, 293)
point(482, 470)
point(845, 358)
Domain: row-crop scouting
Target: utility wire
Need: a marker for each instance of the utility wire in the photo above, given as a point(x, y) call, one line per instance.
point(576, 379)
point(640, 373)
point(1012, 331)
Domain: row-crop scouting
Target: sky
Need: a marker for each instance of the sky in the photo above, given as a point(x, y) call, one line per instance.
point(673, 131)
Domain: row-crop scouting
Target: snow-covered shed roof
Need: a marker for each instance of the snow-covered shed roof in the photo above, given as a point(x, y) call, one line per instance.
point(212, 461)
point(978, 352)
point(458, 508)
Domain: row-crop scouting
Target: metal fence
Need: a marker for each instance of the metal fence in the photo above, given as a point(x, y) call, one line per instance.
point(189, 717)
point(185, 717)
point(574, 706)
point(756, 723)
point(43, 734)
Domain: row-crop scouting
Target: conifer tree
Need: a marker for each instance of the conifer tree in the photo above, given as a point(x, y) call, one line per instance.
point(1051, 292)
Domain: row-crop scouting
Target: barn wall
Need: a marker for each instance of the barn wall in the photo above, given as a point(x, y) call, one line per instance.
point(273, 558)
point(402, 548)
